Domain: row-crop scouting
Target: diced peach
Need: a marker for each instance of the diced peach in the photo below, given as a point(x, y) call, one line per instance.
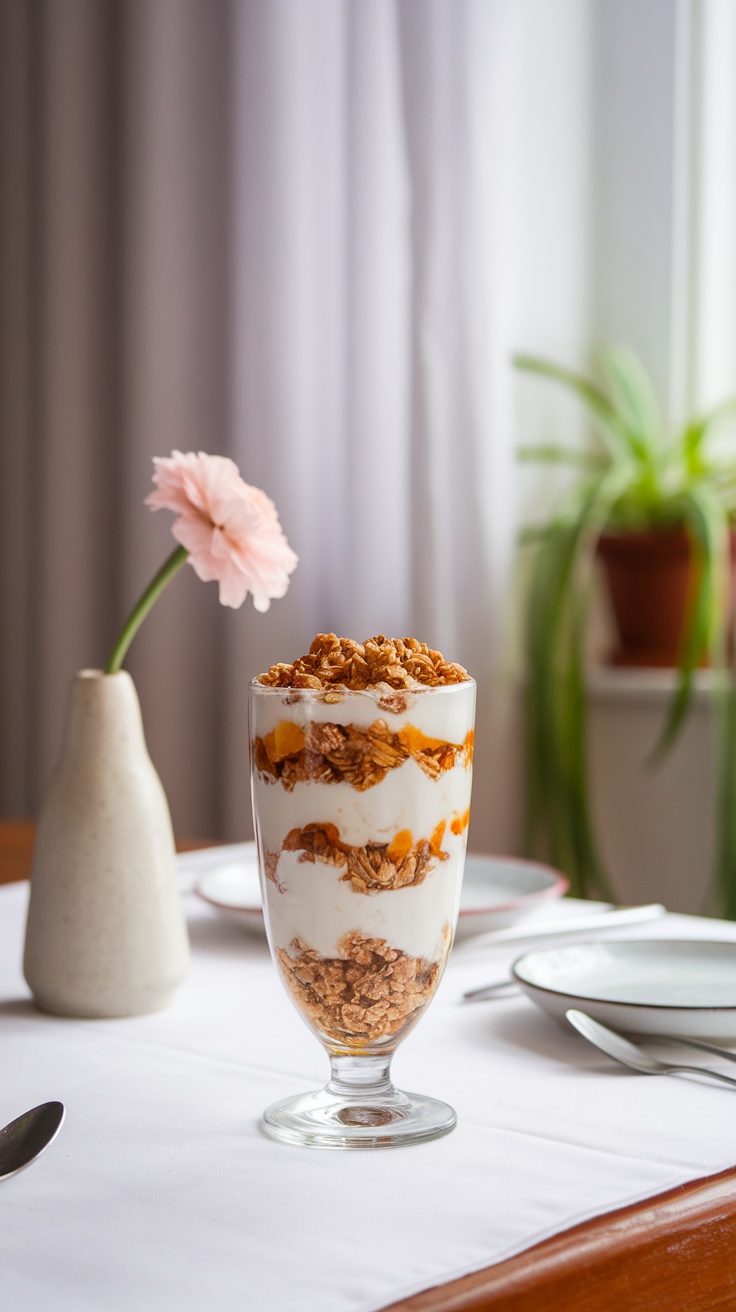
point(435, 841)
point(287, 739)
point(460, 822)
point(415, 741)
point(400, 846)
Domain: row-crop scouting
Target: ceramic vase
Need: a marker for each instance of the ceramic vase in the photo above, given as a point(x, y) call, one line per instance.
point(105, 934)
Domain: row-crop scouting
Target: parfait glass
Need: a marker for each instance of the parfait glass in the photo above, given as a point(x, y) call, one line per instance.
point(361, 803)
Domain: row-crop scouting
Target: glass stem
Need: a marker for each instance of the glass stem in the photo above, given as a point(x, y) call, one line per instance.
point(360, 1076)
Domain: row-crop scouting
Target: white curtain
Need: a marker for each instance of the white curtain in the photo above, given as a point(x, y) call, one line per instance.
point(371, 329)
point(711, 299)
point(282, 231)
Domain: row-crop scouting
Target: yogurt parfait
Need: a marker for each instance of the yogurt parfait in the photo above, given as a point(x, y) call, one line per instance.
point(361, 760)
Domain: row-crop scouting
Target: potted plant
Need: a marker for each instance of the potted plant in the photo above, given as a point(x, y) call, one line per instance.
point(656, 508)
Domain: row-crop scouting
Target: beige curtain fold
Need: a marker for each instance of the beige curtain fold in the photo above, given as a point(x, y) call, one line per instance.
point(277, 230)
point(114, 191)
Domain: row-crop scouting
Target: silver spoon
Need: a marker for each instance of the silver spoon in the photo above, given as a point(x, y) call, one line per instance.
point(630, 1054)
point(26, 1137)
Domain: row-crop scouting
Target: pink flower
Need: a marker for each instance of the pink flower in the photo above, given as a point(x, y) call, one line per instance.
point(230, 529)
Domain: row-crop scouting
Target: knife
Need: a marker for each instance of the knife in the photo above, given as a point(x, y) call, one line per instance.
point(618, 917)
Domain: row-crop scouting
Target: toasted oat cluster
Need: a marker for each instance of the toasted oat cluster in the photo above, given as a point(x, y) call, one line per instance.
point(336, 753)
point(334, 662)
point(367, 993)
point(374, 866)
point(270, 865)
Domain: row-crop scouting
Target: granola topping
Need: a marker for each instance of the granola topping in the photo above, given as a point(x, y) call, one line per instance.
point(371, 991)
point(270, 865)
point(374, 866)
point(361, 882)
point(333, 753)
point(384, 663)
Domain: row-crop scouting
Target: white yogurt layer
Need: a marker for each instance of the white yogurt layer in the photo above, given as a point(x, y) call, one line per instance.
point(311, 901)
point(404, 799)
point(444, 712)
point(320, 909)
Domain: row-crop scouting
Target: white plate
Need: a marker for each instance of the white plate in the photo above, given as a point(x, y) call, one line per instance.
point(227, 878)
point(497, 891)
point(500, 890)
point(685, 987)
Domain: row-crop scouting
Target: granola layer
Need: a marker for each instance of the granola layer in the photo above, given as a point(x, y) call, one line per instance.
point(370, 991)
point(398, 663)
point(398, 864)
point(345, 753)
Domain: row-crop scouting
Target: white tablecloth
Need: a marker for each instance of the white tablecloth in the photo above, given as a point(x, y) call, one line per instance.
point(162, 1192)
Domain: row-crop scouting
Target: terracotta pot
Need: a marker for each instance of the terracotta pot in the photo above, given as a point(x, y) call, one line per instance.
point(649, 577)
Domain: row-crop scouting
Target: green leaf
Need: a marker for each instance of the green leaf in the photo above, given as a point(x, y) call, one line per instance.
point(533, 534)
point(708, 527)
point(563, 455)
point(557, 802)
point(557, 795)
point(725, 870)
point(634, 399)
point(608, 423)
point(696, 433)
point(640, 480)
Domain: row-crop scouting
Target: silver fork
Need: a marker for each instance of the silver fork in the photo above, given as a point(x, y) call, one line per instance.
point(695, 1043)
point(630, 1054)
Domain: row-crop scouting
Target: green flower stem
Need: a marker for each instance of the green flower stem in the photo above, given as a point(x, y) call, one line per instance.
point(151, 595)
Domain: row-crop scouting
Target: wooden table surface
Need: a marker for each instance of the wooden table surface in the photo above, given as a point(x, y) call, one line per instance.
point(676, 1252)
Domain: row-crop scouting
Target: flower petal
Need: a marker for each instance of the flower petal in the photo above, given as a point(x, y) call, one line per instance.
point(230, 529)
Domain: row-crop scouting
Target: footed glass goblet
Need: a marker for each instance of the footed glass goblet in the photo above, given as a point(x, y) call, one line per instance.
point(361, 803)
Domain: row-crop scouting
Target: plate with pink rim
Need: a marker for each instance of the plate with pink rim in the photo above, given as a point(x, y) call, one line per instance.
point(227, 879)
point(498, 891)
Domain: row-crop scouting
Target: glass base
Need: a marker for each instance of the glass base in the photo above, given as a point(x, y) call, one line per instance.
point(385, 1119)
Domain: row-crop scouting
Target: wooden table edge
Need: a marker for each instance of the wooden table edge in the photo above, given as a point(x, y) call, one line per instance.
point(675, 1250)
point(16, 848)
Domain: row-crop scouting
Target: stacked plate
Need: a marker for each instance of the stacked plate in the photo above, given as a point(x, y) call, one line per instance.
point(679, 987)
point(497, 891)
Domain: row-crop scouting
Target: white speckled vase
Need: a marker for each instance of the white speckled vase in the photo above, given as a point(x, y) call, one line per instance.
point(105, 933)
